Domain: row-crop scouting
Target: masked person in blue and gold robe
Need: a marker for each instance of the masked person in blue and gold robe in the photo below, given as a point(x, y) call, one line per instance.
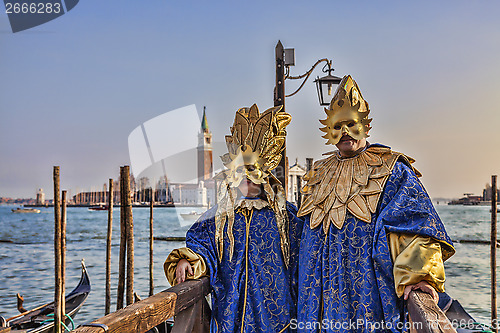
point(248, 243)
point(371, 233)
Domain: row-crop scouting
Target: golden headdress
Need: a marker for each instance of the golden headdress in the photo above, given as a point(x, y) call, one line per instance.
point(347, 113)
point(254, 150)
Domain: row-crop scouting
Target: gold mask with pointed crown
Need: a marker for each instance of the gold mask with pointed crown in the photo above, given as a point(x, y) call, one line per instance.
point(347, 113)
point(255, 144)
point(254, 149)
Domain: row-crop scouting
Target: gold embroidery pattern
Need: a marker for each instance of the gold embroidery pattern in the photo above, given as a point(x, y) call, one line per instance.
point(336, 185)
point(257, 281)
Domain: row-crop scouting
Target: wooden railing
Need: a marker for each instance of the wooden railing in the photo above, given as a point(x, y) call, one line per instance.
point(426, 316)
point(185, 301)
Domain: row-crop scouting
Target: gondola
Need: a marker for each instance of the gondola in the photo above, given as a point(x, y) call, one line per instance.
point(41, 319)
point(25, 210)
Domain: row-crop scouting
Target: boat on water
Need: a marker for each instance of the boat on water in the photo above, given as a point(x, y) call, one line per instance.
point(460, 319)
point(41, 319)
point(191, 216)
point(100, 207)
point(25, 210)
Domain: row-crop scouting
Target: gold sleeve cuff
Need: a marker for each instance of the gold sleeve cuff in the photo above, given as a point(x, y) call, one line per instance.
point(197, 263)
point(416, 258)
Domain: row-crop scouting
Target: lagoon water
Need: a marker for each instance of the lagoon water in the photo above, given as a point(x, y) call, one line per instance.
point(27, 264)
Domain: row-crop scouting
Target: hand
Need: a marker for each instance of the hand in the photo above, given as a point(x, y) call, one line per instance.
point(423, 286)
point(180, 272)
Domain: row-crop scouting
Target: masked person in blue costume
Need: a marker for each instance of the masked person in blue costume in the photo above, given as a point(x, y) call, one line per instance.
point(371, 233)
point(248, 243)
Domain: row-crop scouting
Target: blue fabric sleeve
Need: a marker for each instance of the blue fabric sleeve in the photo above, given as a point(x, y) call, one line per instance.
point(407, 208)
point(201, 239)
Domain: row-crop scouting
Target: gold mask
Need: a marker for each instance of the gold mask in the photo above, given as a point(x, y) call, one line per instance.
point(347, 113)
point(246, 163)
point(255, 144)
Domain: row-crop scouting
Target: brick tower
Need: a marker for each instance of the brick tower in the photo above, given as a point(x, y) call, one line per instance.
point(205, 162)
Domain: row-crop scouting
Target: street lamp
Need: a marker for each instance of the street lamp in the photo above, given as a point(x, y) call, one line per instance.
point(324, 85)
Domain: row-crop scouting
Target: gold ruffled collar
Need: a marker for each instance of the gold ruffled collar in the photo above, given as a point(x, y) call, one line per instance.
point(336, 185)
point(249, 203)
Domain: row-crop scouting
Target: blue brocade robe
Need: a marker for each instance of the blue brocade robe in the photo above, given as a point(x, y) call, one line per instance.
point(254, 289)
point(346, 281)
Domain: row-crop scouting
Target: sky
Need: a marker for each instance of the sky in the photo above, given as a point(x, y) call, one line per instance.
point(73, 89)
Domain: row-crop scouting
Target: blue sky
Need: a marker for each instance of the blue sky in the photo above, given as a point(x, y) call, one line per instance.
point(73, 89)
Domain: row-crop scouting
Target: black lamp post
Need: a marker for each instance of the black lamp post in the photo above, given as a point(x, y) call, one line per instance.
point(324, 86)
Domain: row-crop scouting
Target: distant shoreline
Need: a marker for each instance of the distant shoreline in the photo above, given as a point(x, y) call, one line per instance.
point(156, 205)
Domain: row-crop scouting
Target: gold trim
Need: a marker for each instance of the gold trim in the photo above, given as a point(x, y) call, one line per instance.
point(216, 325)
point(447, 253)
point(246, 213)
point(322, 306)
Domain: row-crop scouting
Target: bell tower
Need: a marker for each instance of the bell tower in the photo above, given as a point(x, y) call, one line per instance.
point(205, 162)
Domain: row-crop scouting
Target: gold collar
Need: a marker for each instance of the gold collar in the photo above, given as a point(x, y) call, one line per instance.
point(336, 185)
point(251, 203)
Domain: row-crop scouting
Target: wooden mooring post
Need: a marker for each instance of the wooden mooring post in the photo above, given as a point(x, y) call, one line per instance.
point(129, 225)
point(494, 322)
point(107, 305)
point(63, 254)
point(151, 239)
point(57, 251)
point(185, 301)
point(123, 246)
